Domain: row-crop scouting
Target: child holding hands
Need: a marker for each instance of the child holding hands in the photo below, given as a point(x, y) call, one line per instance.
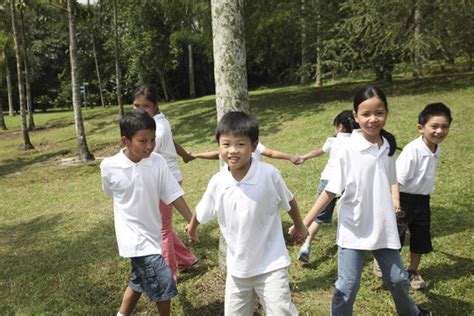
point(137, 179)
point(364, 172)
point(245, 197)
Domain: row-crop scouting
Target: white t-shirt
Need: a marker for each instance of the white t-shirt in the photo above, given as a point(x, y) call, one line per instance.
point(365, 173)
point(330, 146)
point(165, 145)
point(248, 216)
point(136, 189)
point(416, 168)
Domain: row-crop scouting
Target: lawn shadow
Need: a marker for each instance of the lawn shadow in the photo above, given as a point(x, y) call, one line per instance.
point(452, 220)
point(11, 166)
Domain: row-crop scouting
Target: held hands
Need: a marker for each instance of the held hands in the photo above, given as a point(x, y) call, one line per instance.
point(298, 233)
point(187, 157)
point(191, 231)
point(297, 160)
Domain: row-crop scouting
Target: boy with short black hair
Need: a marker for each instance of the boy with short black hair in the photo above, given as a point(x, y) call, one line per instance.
point(416, 168)
point(245, 197)
point(136, 179)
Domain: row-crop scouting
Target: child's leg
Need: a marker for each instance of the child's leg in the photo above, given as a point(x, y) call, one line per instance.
point(349, 268)
point(168, 251)
point(396, 279)
point(129, 301)
point(164, 307)
point(274, 292)
point(415, 259)
point(239, 296)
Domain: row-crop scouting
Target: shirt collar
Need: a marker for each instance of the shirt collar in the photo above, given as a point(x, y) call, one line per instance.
point(251, 178)
point(362, 144)
point(159, 116)
point(425, 149)
point(124, 162)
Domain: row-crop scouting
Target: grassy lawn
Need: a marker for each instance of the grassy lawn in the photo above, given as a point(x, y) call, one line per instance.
point(57, 245)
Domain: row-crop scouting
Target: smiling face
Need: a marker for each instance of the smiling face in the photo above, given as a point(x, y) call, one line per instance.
point(434, 131)
point(236, 150)
point(140, 146)
point(141, 102)
point(371, 116)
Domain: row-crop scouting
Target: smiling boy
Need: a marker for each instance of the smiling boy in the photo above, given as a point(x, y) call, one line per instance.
point(245, 197)
point(416, 168)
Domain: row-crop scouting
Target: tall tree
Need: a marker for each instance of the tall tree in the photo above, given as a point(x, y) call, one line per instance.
point(3, 62)
point(304, 69)
point(230, 71)
point(192, 87)
point(11, 110)
point(83, 151)
point(26, 64)
point(94, 51)
point(21, 83)
point(118, 77)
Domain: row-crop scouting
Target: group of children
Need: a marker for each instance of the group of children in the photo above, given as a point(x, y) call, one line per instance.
point(245, 196)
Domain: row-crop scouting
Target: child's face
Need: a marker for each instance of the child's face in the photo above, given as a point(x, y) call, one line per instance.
point(434, 131)
point(236, 150)
point(140, 146)
point(371, 116)
point(141, 102)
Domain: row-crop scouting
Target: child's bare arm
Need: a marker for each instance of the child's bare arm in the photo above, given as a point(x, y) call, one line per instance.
point(212, 155)
point(312, 154)
point(323, 199)
point(395, 189)
point(299, 233)
point(267, 152)
point(191, 230)
point(183, 208)
point(182, 152)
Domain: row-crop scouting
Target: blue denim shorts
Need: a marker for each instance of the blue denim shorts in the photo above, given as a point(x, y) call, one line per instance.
point(325, 217)
point(152, 275)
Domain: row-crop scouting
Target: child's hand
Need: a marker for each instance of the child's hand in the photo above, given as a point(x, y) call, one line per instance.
point(295, 160)
point(192, 233)
point(298, 233)
point(299, 160)
point(188, 157)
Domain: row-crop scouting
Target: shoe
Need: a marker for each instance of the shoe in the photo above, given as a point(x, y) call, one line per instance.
point(186, 268)
point(423, 312)
point(304, 253)
point(416, 281)
point(376, 269)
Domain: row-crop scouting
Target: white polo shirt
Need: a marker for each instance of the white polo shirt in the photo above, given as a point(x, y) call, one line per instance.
point(365, 173)
point(136, 189)
point(258, 152)
point(416, 168)
point(330, 144)
point(165, 145)
point(248, 216)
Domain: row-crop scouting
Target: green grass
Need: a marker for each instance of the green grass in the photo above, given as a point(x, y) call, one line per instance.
point(57, 245)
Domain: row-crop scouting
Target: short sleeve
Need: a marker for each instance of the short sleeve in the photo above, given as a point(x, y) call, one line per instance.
point(284, 194)
point(327, 146)
point(105, 180)
point(337, 176)
point(404, 166)
point(206, 208)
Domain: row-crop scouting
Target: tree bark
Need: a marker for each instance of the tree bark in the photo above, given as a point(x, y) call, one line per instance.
point(118, 77)
point(304, 77)
point(11, 110)
point(230, 71)
point(29, 101)
point(417, 62)
point(83, 154)
point(319, 77)
point(192, 87)
point(97, 70)
point(164, 87)
point(19, 57)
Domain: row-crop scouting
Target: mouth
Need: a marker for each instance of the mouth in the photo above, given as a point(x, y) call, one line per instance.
point(233, 160)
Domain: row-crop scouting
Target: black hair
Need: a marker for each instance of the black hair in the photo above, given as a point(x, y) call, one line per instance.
point(434, 109)
point(238, 123)
point(347, 120)
point(148, 91)
point(370, 92)
point(135, 121)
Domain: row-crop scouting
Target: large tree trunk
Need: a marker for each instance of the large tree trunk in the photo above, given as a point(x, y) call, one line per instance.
point(83, 151)
point(11, 110)
point(304, 77)
point(164, 87)
point(29, 101)
point(417, 59)
point(97, 70)
point(192, 87)
point(118, 77)
point(21, 84)
point(319, 76)
point(3, 126)
point(230, 71)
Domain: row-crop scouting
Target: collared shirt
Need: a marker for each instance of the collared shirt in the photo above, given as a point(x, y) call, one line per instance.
point(165, 145)
point(259, 151)
point(365, 173)
point(330, 146)
point(416, 167)
point(136, 189)
point(248, 216)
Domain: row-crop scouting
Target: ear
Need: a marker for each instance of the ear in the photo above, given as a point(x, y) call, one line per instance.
point(125, 141)
point(354, 114)
point(420, 128)
point(254, 145)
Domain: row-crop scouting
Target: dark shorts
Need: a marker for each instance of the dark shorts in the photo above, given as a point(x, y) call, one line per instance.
point(325, 217)
point(152, 275)
point(417, 220)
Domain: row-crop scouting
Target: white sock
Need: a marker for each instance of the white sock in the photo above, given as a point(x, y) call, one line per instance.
point(120, 314)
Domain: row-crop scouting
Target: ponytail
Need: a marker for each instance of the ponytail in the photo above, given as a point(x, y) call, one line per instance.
point(391, 141)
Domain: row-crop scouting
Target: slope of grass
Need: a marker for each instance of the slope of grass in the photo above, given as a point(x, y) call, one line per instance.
point(57, 244)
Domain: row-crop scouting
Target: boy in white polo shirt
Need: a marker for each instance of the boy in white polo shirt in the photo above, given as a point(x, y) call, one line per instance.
point(245, 197)
point(416, 168)
point(137, 178)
